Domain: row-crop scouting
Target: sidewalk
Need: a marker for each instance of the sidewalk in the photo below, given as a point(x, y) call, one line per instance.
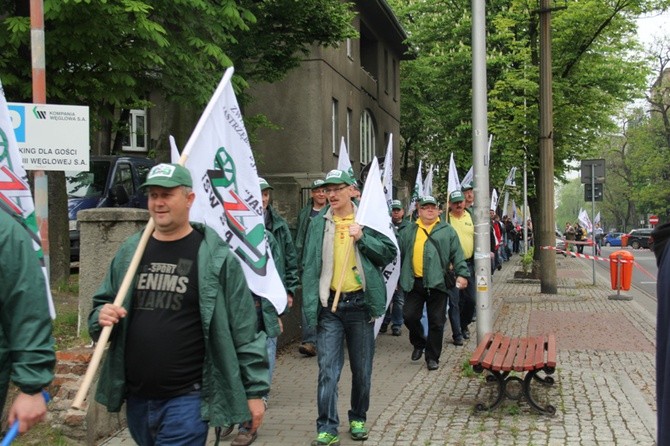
point(604, 392)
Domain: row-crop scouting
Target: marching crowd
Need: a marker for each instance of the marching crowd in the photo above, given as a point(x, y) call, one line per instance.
point(194, 348)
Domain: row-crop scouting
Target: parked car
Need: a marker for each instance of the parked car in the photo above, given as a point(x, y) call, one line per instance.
point(612, 239)
point(637, 238)
point(112, 181)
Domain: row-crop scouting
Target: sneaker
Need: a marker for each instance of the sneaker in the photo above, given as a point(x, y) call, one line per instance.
point(326, 439)
point(307, 349)
point(396, 331)
point(466, 333)
point(384, 328)
point(458, 341)
point(358, 430)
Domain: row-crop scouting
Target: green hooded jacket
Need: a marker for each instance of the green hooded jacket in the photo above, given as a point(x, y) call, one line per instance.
point(27, 356)
point(282, 233)
point(236, 364)
point(433, 274)
point(373, 252)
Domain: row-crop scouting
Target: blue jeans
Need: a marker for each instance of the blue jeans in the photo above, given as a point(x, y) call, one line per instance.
point(394, 312)
point(350, 323)
point(173, 421)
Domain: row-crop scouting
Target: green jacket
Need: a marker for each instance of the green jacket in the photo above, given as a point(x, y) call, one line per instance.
point(373, 252)
point(236, 365)
point(269, 312)
point(282, 233)
point(27, 355)
point(303, 223)
point(433, 274)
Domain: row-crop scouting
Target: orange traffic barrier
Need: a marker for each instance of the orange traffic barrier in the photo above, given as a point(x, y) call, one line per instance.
point(621, 269)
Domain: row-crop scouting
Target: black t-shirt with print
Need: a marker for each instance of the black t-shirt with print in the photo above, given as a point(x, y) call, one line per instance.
point(165, 346)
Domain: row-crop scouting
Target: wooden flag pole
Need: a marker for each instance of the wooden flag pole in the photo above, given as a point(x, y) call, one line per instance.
point(338, 291)
point(107, 331)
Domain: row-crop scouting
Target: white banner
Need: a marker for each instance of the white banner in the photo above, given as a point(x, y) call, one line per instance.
point(452, 181)
point(417, 192)
point(227, 194)
point(14, 190)
point(373, 213)
point(343, 161)
point(428, 182)
point(494, 199)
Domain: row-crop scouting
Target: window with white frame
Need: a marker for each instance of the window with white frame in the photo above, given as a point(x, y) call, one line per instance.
point(367, 137)
point(335, 124)
point(135, 137)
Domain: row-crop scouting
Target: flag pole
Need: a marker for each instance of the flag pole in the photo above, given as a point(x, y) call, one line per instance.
point(338, 291)
point(106, 332)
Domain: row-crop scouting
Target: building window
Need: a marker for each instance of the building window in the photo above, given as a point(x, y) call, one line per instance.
point(135, 138)
point(349, 122)
point(386, 72)
point(335, 125)
point(394, 65)
point(367, 137)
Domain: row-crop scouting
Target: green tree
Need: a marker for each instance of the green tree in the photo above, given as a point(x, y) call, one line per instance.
point(116, 55)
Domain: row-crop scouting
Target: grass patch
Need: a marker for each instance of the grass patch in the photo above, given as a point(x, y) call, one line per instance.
point(466, 369)
point(44, 434)
point(66, 301)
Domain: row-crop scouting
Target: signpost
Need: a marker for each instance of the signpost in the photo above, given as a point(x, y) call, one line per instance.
point(52, 137)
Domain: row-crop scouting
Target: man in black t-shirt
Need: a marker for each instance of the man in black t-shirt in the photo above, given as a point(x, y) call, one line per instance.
point(186, 352)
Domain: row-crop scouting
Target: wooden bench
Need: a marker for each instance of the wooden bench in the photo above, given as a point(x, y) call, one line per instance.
point(500, 355)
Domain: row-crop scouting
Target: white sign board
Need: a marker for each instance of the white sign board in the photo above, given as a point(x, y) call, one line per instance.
point(52, 137)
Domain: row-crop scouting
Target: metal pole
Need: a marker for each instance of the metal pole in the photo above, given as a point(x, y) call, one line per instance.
point(548, 279)
point(481, 171)
point(525, 205)
point(40, 97)
point(593, 215)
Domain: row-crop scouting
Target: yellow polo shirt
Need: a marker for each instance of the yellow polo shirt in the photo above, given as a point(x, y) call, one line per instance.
point(419, 242)
point(352, 280)
point(465, 229)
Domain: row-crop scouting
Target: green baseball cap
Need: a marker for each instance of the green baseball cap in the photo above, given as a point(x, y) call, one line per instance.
point(168, 175)
point(427, 200)
point(338, 177)
point(317, 183)
point(396, 204)
point(264, 184)
point(468, 186)
point(456, 196)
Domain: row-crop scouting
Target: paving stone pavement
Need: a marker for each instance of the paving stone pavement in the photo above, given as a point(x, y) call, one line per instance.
point(604, 392)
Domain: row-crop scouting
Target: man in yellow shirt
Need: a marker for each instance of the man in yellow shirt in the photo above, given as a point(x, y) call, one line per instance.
point(429, 248)
point(462, 301)
point(341, 254)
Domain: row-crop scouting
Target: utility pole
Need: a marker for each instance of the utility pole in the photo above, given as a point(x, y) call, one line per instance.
point(40, 97)
point(548, 280)
point(481, 171)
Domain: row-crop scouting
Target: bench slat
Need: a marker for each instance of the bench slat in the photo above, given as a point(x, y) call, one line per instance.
point(551, 351)
point(488, 359)
point(528, 362)
point(520, 355)
point(511, 353)
point(478, 354)
point(539, 352)
point(501, 353)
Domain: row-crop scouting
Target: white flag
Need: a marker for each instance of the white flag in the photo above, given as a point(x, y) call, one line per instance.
point(467, 179)
point(388, 172)
point(452, 181)
point(14, 189)
point(343, 161)
point(417, 192)
point(494, 199)
point(510, 180)
point(585, 221)
point(515, 219)
point(428, 182)
point(596, 220)
point(227, 194)
point(373, 213)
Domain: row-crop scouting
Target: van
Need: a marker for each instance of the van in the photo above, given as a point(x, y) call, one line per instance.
point(112, 181)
